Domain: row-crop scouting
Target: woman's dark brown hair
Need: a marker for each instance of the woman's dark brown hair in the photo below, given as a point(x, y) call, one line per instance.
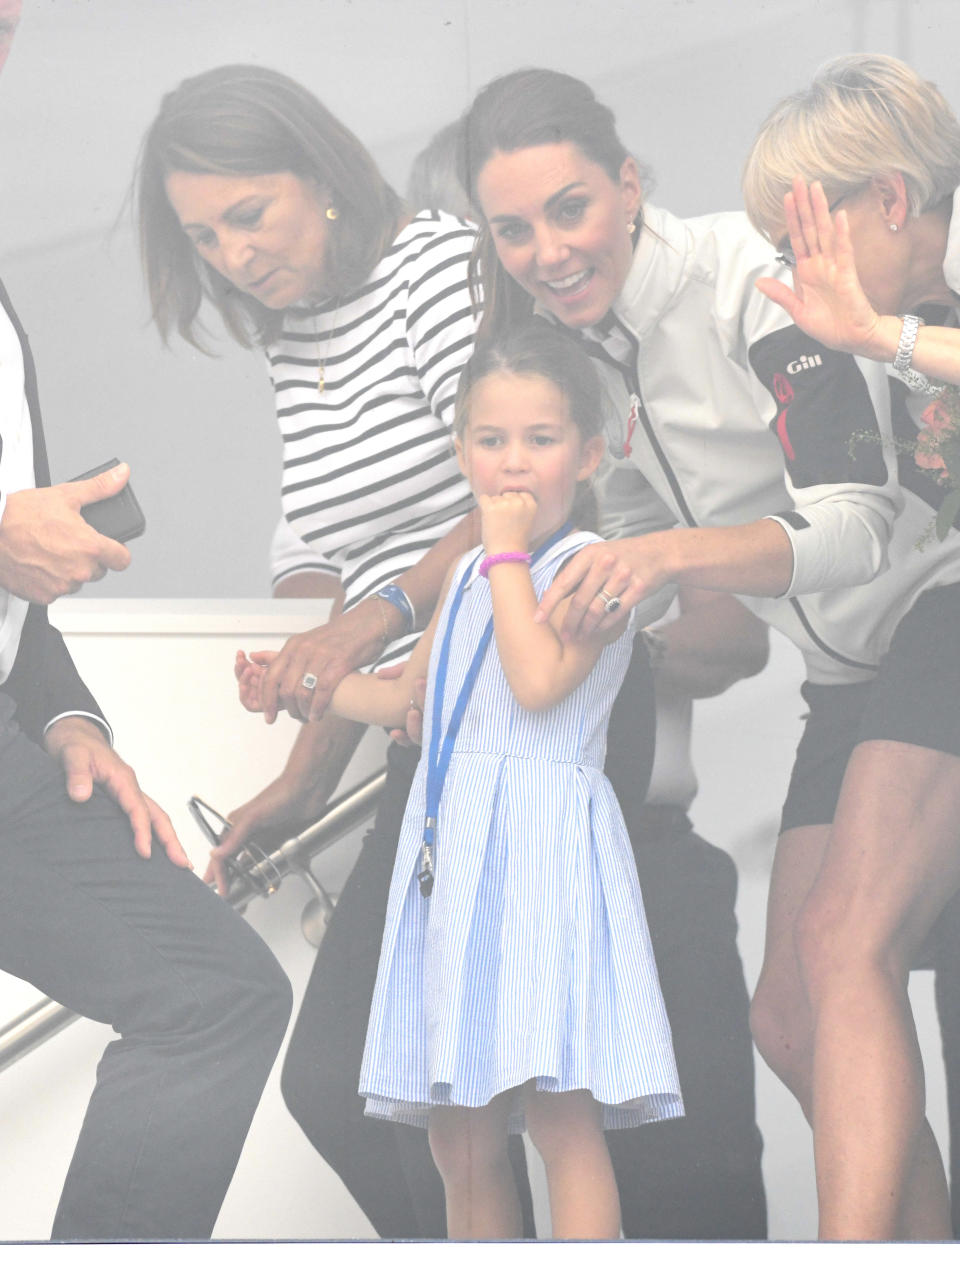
point(251, 120)
point(529, 108)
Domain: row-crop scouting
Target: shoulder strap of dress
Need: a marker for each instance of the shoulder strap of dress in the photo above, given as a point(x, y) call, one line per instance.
point(568, 547)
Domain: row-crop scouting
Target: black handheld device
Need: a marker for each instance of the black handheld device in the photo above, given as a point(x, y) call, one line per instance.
point(119, 517)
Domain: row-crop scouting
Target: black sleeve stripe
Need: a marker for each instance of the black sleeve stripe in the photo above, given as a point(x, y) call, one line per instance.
point(453, 290)
point(794, 519)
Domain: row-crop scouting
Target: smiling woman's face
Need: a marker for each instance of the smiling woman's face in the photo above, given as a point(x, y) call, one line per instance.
point(560, 225)
point(267, 233)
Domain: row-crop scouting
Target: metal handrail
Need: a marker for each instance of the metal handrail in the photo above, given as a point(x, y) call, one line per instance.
point(41, 1021)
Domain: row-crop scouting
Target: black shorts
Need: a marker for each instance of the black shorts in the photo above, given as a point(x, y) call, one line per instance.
point(915, 698)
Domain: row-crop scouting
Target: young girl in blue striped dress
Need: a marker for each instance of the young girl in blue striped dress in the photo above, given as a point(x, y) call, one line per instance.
point(516, 983)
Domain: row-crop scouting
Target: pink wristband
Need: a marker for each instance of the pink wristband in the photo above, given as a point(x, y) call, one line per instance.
point(502, 557)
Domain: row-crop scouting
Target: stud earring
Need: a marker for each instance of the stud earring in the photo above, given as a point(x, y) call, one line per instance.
point(894, 226)
point(631, 228)
point(332, 213)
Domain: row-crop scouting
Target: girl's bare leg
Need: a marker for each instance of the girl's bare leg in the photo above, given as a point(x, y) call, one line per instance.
point(469, 1147)
point(893, 859)
point(566, 1130)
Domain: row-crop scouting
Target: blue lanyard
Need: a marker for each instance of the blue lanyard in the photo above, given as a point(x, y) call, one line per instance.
point(441, 745)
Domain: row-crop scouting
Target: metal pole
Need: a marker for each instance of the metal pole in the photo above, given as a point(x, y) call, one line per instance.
point(42, 1021)
point(296, 854)
point(31, 1029)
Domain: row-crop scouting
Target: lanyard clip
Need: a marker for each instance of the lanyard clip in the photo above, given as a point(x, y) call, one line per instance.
point(425, 875)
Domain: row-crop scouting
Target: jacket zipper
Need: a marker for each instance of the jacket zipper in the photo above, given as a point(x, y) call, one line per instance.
point(629, 375)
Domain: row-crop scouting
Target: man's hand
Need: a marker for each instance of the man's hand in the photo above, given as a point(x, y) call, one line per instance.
point(47, 549)
point(87, 757)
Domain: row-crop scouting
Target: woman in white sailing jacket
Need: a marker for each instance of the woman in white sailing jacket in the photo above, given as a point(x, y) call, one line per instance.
point(748, 457)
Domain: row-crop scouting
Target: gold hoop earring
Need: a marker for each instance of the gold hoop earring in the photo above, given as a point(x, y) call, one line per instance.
point(332, 213)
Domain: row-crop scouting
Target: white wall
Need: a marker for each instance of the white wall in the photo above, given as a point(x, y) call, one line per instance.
point(689, 80)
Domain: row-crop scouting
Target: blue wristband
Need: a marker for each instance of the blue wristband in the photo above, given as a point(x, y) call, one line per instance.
point(400, 600)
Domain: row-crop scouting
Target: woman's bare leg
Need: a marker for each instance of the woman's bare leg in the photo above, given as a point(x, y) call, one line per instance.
point(469, 1146)
point(566, 1129)
point(892, 860)
point(779, 1013)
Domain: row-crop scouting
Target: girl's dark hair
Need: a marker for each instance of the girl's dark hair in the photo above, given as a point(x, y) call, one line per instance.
point(537, 347)
point(250, 120)
point(528, 108)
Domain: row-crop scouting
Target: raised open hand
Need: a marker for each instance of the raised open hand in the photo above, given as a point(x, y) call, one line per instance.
point(827, 300)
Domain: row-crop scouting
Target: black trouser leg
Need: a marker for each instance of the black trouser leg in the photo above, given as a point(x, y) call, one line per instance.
point(199, 1001)
point(697, 1177)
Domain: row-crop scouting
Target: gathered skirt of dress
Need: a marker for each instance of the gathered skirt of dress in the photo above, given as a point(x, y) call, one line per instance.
point(528, 962)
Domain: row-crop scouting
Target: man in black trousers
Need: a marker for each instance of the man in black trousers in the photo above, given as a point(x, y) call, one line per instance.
point(98, 906)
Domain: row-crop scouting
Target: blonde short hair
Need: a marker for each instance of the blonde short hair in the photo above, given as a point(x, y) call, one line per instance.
point(863, 115)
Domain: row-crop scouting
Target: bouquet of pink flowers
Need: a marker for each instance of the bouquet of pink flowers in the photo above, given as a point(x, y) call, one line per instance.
point(935, 448)
point(938, 449)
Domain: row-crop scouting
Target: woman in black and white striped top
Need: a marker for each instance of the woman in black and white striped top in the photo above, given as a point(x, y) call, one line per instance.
point(254, 198)
point(369, 480)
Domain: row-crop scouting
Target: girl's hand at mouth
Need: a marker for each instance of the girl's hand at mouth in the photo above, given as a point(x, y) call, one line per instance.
point(506, 520)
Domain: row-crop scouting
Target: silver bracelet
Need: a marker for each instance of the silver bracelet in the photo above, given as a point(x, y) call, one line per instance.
point(915, 380)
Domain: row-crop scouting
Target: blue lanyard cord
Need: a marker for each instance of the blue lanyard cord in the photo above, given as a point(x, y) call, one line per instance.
point(441, 745)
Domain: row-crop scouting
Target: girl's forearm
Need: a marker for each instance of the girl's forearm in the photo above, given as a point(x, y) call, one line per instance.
point(370, 700)
point(531, 654)
point(373, 700)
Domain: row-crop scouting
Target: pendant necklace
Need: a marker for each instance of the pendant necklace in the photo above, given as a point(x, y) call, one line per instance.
point(322, 355)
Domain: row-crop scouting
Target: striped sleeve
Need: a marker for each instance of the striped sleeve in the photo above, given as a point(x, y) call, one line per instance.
point(441, 324)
